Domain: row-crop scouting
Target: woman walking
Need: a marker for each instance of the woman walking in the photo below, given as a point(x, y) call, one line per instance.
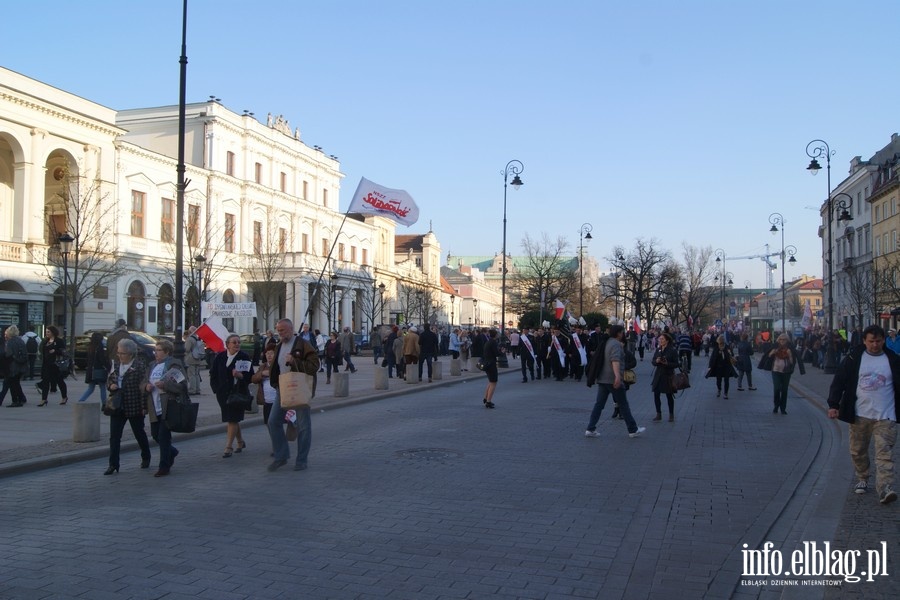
point(166, 379)
point(125, 381)
point(332, 356)
point(15, 357)
point(489, 355)
point(265, 393)
point(53, 348)
point(745, 363)
point(665, 359)
point(783, 365)
point(224, 378)
point(97, 370)
point(721, 365)
point(464, 347)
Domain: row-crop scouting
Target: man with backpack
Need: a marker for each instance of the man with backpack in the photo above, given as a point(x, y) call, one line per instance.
point(194, 359)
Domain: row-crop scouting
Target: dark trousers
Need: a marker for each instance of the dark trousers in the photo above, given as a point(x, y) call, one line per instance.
point(545, 367)
point(425, 359)
point(32, 358)
point(687, 355)
point(116, 426)
point(719, 380)
point(13, 384)
point(527, 365)
point(162, 436)
point(781, 381)
point(53, 381)
point(670, 399)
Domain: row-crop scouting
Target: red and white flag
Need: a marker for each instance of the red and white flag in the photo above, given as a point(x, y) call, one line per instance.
point(560, 309)
point(213, 333)
point(373, 199)
point(636, 323)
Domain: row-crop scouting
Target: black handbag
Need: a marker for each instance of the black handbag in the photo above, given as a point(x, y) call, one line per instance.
point(181, 415)
point(98, 375)
point(766, 362)
point(240, 399)
point(113, 403)
point(63, 364)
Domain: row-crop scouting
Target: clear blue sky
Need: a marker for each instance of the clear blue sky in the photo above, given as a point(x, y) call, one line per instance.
point(681, 120)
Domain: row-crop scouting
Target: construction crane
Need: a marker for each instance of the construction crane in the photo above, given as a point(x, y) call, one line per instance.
point(766, 258)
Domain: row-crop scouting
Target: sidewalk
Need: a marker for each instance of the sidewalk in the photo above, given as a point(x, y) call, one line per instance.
point(33, 437)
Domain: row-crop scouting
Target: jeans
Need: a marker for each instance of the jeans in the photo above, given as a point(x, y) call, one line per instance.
point(423, 360)
point(349, 362)
point(116, 426)
point(161, 434)
point(90, 390)
point(780, 382)
point(749, 375)
point(280, 446)
point(193, 376)
point(621, 400)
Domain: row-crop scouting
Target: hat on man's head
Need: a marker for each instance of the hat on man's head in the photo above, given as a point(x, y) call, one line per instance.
point(347, 328)
point(120, 322)
point(413, 329)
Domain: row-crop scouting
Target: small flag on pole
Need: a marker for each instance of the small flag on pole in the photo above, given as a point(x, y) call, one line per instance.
point(213, 333)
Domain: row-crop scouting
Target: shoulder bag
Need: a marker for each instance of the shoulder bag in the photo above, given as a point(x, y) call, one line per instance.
point(680, 381)
point(294, 389)
point(181, 415)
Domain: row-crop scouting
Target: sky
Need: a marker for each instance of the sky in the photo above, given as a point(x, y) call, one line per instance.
point(679, 121)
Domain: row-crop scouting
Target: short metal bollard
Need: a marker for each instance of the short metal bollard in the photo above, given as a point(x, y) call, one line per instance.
point(381, 378)
point(455, 369)
point(437, 370)
point(85, 421)
point(341, 384)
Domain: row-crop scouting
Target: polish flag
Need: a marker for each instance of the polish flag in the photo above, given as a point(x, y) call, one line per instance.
point(560, 309)
point(213, 333)
point(636, 323)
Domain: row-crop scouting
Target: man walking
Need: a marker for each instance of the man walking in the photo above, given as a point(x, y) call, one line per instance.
point(526, 353)
point(194, 359)
point(606, 368)
point(347, 344)
point(428, 349)
point(865, 393)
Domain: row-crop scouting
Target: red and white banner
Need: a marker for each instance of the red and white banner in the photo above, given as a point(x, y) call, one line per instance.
point(636, 323)
point(373, 199)
point(213, 333)
point(560, 309)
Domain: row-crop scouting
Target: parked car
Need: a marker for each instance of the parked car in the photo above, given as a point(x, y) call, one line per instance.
point(145, 343)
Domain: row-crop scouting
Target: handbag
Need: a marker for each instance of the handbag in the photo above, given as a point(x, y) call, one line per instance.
point(64, 365)
point(240, 399)
point(181, 415)
point(480, 365)
point(766, 362)
point(294, 389)
point(629, 376)
point(113, 403)
point(680, 381)
point(98, 375)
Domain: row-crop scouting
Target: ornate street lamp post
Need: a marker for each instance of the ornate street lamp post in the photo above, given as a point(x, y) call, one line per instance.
point(475, 311)
point(777, 219)
point(452, 300)
point(584, 234)
point(726, 276)
point(381, 288)
point(514, 168)
point(65, 246)
point(200, 261)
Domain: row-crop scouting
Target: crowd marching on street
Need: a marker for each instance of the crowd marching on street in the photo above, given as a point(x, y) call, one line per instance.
point(131, 388)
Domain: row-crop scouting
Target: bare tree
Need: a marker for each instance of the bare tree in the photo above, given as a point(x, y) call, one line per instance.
point(547, 272)
point(641, 269)
point(698, 274)
point(266, 272)
point(372, 303)
point(81, 209)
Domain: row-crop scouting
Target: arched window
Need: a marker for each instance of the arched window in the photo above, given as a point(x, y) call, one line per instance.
point(228, 298)
point(136, 306)
point(165, 305)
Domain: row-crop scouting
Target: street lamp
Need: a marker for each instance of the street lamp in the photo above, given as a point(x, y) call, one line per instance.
point(452, 300)
point(381, 288)
point(65, 246)
point(616, 278)
point(421, 305)
point(514, 168)
point(200, 261)
point(333, 325)
point(815, 150)
point(777, 219)
point(726, 276)
point(475, 311)
point(583, 234)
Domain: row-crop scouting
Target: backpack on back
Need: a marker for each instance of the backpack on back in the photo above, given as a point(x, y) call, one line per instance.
point(31, 345)
point(198, 352)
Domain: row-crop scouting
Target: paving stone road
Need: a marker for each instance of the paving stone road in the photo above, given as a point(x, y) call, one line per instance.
point(428, 495)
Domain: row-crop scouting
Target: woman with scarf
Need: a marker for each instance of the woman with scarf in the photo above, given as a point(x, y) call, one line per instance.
point(783, 365)
point(721, 365)
point(165, 379)
point(665, 360)
point(224, 377)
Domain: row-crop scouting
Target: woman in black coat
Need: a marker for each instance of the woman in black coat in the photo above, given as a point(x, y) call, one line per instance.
point(721, 365)
point(97, 370)
point(225, 378)
point(53, 348)
point(333, 355)
point(665, 359)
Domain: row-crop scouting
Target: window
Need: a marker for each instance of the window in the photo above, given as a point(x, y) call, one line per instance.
point(101, 292)
point(419, 262)
point(257, 237)
point(877, 213)
point(283, 182)
point(229, 233)
point(866, 192)
point(167, 227)
point(257, 172)
point(353, 254)
point(304, 243)
point(324, 246)
point(341, 252)
point(894, 241)
point(229, 163)
point(365, 256)
point(818, 301)
point(193, 226)
point(325, 198)
point(282, 240)
point(305, 189)
point(137, 213)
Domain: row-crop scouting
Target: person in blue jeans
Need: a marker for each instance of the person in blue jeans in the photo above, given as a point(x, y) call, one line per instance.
point(293, 353)
point(605, 369)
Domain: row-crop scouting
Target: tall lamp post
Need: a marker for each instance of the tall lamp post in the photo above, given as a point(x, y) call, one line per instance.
point(200, 261)
point(777, 219)
point(452, 300)
point(475, 311)
point(65, 246)
point(726, 276)
point(333, 324)
point(181, 185)
point(616, 279)
point(381, 288)
point(584, 234)
point(815, 150)
point(514, 168)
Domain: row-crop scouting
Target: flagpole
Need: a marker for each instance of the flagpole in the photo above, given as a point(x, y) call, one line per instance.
point(318, 293)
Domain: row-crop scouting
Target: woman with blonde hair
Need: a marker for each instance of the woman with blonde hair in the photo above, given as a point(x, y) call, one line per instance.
point(17, 365)
point(721, 365)
point(784, 361)
point(224, 377)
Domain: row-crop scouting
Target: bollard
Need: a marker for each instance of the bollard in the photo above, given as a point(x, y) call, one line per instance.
point(341, 384)
point(412, 373)
point(455, 369)
point(85, 421)
point(381, 378)
point(437, 370)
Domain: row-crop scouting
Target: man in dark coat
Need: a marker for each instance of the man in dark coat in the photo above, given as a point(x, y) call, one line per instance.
point(865, 393)
point(428, 349)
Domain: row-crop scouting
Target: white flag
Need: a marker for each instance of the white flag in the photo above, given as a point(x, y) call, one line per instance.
point(373, 199)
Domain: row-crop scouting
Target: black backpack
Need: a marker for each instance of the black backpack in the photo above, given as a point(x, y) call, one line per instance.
point(31, 345)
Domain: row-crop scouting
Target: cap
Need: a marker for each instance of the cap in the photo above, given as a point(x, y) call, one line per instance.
point(120, 322)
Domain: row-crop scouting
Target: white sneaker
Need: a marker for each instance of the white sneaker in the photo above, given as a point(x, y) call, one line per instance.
point(888, 495)
point(637, 433)
point(862, 487)
point(591, 434)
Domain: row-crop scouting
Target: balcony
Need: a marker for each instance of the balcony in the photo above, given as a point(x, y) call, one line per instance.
point(23, 253)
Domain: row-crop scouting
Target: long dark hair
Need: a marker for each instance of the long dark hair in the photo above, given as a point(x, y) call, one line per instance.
point(96, 341)
point(53, 331)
